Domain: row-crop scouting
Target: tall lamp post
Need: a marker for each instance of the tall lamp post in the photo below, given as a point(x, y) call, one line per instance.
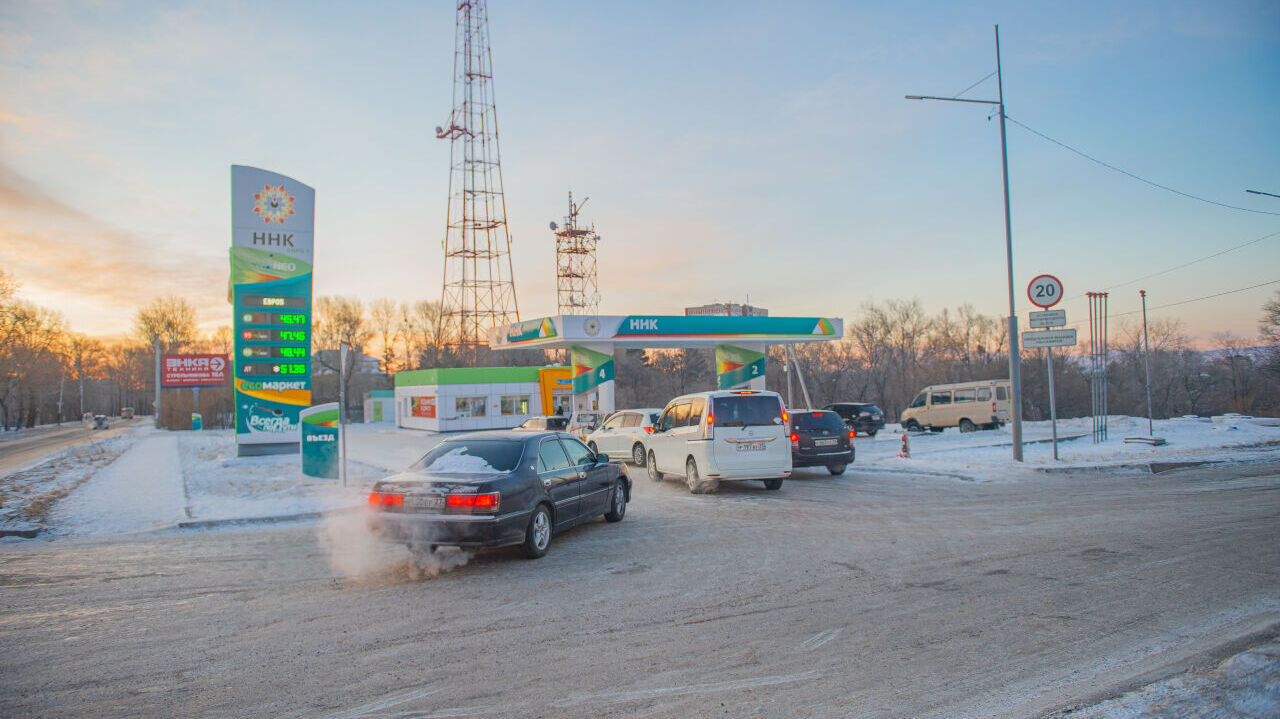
point(1015, 361)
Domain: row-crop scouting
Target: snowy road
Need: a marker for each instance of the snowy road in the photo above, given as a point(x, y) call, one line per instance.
point(875, 594)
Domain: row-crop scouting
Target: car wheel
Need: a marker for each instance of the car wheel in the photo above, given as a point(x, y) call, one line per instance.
point(618, 505)
point(652, 464)
point(693, 479)
point(967, 426)
point(836, 469)
point(911, 426)
point(637, 454)
point(774, 484)
point(592, 446)
point(872, 433)
point(537, 537)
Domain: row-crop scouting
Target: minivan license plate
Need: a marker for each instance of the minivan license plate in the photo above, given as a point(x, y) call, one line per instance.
point(424, 501)
point(751, 446)
point(824, 442)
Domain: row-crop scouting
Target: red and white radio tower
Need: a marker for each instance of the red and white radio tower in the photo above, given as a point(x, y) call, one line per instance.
point(479, 291)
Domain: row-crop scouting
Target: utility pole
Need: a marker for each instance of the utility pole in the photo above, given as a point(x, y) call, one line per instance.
point(1015, 360)
point(157, 341)
point(343, 349)
point(1146, 352)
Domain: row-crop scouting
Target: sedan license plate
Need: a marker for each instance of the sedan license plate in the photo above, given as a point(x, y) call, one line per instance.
point(824, 442)
point(424, 501)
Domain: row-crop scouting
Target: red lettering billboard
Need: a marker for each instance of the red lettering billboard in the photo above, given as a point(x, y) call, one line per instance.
point(193, 370)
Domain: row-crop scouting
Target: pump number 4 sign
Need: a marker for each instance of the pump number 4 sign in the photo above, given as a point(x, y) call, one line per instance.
point(1045, 291)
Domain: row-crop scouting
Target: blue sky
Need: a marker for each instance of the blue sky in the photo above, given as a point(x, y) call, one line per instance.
point(729, 149)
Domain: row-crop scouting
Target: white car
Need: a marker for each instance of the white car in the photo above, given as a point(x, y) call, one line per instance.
point(710, 437)
point(622, 435)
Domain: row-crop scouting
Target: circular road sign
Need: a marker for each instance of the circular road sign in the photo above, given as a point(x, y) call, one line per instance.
point(1045, 291)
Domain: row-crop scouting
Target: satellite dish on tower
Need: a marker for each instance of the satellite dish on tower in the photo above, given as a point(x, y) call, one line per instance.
point(553, 226)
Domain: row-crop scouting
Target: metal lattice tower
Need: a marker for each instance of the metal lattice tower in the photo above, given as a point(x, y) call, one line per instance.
point(576, 290)
point(478, 290)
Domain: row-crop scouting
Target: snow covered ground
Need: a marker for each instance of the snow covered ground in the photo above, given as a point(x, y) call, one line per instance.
point(1246, 686)
point(166, 477)
point(986, 455)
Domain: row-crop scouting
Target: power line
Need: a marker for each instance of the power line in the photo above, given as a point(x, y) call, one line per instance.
point(1130, 174)
point(1184, 302)
point(1185, 264)
point(988, 77)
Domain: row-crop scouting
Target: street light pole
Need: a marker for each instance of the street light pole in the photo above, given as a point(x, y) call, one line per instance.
point(1015, 359)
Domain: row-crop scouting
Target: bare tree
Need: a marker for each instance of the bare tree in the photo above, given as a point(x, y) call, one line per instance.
point(337, 320)
point(382, 318)
point(170, 319)
point(85, 356)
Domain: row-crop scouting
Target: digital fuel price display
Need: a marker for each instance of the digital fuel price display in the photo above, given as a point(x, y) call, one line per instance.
point(257, 368)
point(274, 335)
point(269, 318)
point(293, 303)
point(275, 352)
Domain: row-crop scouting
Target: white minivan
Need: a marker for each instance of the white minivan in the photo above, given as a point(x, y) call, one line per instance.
point(710, 437)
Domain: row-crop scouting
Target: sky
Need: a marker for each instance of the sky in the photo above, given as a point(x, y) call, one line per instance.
point(730, 150)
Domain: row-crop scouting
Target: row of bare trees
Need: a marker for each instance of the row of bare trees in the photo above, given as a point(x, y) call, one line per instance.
point(890, 351)
point(51, 373)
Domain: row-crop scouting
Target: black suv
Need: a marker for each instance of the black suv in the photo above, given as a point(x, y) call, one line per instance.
point(820, 439)
point(859, 416)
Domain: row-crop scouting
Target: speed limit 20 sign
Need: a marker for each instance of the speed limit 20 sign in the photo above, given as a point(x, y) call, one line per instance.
point(1045, 291)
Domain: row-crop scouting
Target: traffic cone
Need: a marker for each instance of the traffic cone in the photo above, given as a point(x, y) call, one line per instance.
point(905, 452)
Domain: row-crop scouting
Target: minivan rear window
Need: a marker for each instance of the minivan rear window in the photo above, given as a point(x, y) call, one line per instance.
point(746, 411)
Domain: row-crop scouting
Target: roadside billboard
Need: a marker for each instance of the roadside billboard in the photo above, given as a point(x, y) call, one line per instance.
point(202, 370)
point(272, 226)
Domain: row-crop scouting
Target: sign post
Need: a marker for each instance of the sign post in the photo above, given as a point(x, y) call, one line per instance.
point(1044, 292)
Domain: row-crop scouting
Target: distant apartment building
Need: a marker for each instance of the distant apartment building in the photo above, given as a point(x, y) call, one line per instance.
point(727, 309)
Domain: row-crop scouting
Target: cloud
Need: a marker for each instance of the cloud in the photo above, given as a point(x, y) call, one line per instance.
point(57, 250)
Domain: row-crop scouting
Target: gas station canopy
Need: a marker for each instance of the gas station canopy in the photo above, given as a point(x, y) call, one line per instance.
point(662, 331)
point(741, 344)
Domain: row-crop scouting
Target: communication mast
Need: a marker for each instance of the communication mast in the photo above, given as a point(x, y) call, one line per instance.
point(576, 290)
point(478, 290)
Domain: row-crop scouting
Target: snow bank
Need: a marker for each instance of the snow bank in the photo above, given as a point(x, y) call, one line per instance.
point(986, 455)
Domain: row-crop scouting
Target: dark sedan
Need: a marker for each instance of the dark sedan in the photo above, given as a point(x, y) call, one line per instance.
point(859, 416)
point(491, 489)
point(819, 438)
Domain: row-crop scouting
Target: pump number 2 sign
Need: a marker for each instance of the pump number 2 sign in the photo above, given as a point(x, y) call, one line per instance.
point(1045, 291)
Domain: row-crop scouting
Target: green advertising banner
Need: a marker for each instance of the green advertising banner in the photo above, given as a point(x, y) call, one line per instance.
point(590, 368)
point(320, 456)
point(272, 225)
point(736, 366)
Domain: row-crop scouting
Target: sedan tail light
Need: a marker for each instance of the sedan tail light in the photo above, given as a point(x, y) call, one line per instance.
point(473, 503)
point(648, 430)
point(385, 499)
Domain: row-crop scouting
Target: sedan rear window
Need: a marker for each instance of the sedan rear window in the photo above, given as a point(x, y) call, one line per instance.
point(817, 420)
point(472, 456)
point(747, 411)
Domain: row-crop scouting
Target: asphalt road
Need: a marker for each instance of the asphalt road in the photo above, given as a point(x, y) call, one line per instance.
point(870, 595)
point(23, 447)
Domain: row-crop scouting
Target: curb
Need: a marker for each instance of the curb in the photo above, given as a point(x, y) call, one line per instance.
point(272, 519)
